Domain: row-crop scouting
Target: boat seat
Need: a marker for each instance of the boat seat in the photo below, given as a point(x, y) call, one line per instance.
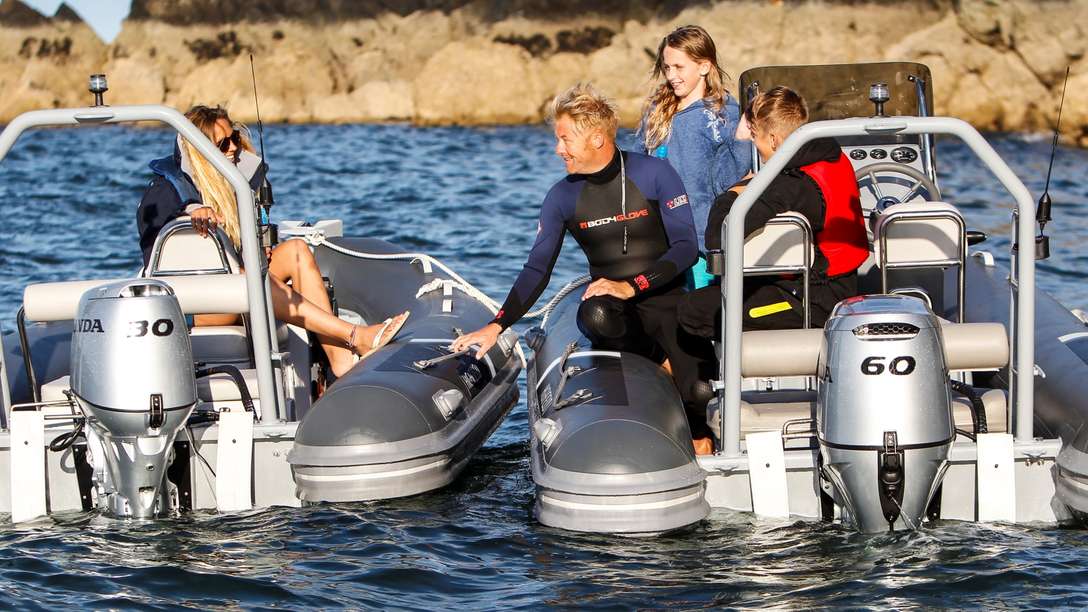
point(769, 410)
point(920, 235)
point(783, 246)
point(221, 388)
point(180, 251)
point(214, 344)
point(795, 352)
point(53, 391)
point(216, 388)
point(218, 293)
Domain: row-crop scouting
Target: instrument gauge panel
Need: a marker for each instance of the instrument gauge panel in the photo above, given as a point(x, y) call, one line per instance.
point(858, 154)
point(878, 154)
point(904, 155)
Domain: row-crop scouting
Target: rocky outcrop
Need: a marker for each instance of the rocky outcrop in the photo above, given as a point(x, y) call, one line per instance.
point(186, 12)
point(996, 63)
point(1001, 65)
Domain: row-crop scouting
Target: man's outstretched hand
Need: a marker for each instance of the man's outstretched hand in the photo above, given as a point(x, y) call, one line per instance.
point(484, 338)
point(602, 286)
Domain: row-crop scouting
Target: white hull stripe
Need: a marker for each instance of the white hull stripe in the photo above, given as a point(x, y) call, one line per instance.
point(657, 505)
point(374, 475)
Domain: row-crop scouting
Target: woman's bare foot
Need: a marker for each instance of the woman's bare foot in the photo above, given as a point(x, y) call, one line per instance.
point(361, 343)
point(366, 340)
point(703, 446)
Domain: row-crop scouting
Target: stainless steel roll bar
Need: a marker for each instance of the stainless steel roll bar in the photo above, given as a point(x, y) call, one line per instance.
point(1021, 332)
point(252, 254)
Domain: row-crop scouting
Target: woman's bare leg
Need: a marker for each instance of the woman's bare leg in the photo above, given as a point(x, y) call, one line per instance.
point(215, 319)
point(333, 332)
point(293, 262)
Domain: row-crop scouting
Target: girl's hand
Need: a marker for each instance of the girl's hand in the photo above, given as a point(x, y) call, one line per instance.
point(743, 132)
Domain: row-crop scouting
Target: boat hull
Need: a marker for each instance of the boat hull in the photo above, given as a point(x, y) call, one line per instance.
point(404, 420)
point(619, 461)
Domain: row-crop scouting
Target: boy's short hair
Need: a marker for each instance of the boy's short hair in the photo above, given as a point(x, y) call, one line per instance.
point(587, 107)
point(779, 110)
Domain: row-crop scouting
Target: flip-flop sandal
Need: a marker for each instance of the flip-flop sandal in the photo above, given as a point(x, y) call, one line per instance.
point(381, 333)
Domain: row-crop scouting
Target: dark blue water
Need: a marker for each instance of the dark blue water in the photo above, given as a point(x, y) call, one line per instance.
point(470, 197)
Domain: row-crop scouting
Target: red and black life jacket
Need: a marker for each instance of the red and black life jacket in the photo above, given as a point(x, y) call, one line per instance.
point(843, 240)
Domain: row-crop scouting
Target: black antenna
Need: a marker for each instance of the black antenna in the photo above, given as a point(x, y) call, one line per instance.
point(1042, 210)
point(257, 104)
point(265, 199)
point(1042, 213)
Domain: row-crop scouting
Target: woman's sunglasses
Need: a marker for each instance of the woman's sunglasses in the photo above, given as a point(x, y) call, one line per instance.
point(235, 137)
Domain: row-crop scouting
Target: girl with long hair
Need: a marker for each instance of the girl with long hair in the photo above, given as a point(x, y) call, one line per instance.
point(690, 119)
point(188, 184)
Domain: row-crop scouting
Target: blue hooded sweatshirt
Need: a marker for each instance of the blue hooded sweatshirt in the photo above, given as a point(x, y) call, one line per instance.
point(703, 150)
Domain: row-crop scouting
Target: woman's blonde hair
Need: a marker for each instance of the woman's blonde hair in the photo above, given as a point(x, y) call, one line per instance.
point(662, 103)
point(215, 191)
point(587, 107)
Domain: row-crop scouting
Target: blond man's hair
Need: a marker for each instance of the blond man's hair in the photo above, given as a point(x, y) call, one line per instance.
point(587, 107)
point(778, 111)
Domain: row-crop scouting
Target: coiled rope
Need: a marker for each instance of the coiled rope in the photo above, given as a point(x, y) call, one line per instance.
point(546, 310)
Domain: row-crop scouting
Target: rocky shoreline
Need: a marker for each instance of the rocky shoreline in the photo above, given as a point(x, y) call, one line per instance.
point(997, 64)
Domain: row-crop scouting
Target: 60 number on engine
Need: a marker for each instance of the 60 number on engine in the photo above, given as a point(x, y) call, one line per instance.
point(898, 366)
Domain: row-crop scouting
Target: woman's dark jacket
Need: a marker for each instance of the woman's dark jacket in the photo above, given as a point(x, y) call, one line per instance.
point(169, 195)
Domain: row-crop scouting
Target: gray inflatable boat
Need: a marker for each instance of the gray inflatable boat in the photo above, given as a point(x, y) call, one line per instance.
point(611, 448)
point(94, 383)
point(407, 419)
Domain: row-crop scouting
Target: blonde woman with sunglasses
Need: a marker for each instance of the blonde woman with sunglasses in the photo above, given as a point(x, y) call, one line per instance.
point(185, 183)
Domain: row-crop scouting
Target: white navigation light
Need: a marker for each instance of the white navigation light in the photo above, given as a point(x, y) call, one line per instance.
point(98, 86)
point(878, 95)
point(878, 92)
point(98, 83)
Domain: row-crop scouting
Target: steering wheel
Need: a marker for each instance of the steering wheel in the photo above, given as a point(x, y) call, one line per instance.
point(921, 181)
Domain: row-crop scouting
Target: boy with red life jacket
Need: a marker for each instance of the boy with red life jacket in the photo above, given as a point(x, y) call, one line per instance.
point(819, 184)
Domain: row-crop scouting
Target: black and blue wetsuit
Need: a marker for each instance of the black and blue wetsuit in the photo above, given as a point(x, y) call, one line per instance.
point(658, 246)
point(661, 240)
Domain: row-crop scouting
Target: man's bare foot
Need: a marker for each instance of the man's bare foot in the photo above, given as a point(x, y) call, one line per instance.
point(703, 446)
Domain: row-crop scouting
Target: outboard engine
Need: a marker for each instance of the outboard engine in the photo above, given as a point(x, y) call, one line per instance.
point(132, 375)
point(884, 411)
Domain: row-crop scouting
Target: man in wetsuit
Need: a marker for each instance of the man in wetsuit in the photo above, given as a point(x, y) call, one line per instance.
point(629, 214)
